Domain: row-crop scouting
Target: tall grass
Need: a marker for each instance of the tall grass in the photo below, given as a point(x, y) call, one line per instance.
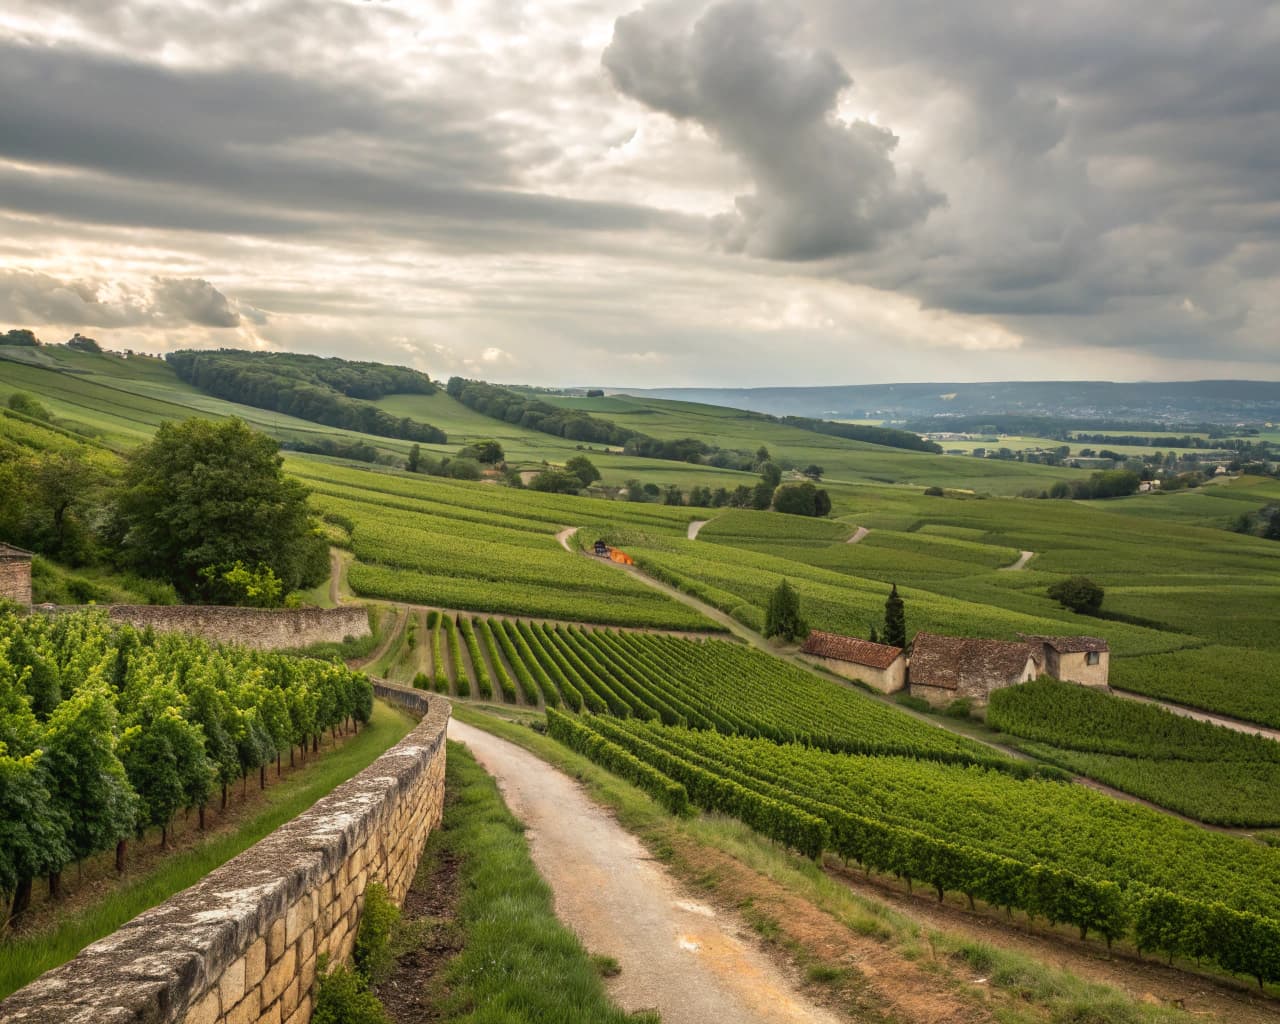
point(27, 957)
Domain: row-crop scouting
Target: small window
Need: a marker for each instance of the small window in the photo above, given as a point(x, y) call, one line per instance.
point(1092, 658)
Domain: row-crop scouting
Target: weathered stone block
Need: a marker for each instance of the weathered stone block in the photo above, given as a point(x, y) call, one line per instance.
point(231, 984)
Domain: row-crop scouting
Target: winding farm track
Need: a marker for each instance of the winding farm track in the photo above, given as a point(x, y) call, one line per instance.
point(695, 527)
point(677, 955)
point(1235, 724)
point(858, 534)
point(565, 535)
point(1021, 563)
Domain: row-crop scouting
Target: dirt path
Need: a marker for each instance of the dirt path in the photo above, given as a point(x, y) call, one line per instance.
point(695, 527)
point(335, 574)
point(1235, 724)
point(677, 955)
point(1020, 564)
point(564, 536)
point(858, 534)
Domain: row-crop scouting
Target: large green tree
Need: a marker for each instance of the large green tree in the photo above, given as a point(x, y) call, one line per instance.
point(205, 494)
point(782, 618)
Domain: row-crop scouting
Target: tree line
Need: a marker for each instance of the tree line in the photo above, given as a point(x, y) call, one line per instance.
point(334, 392)
point(108, 731)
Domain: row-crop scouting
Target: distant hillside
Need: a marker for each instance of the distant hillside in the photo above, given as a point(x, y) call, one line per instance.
point(1215, 401)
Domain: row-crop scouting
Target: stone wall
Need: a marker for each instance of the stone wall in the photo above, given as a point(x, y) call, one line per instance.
point(240, 947)
point(886, 680)
point(15, 580)
point(265, 629)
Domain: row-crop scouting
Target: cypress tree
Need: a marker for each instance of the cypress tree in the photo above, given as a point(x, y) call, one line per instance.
point(895, 620)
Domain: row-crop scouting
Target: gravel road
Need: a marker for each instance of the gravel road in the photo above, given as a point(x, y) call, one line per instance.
point(685, 959)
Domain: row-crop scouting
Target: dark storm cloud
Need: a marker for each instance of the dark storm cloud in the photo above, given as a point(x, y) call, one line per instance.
point(823, 186)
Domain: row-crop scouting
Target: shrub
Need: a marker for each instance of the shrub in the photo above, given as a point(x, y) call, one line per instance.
point(934, 492)
point(372, 954)
point(1079, 594)
point(343, 998)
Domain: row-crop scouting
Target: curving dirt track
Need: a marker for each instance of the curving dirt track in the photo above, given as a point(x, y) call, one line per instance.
point(694, 527)
point(1023, 558)
point(858, 534)
point(677, 955)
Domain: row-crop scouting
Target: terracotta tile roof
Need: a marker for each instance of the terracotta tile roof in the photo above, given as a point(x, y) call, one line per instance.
point(9, 553)
point(851, 649)
point(1069, 644)
point(947, 661)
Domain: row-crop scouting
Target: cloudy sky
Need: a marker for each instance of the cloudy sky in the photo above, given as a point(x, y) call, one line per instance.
point(584, 191)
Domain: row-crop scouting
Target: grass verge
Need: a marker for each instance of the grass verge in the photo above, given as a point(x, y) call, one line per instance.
point(515, 961)
point(28, 956)
point(1016, 989)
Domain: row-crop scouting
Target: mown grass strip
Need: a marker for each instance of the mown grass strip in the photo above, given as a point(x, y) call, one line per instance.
point(517, 962)
point(27, 957)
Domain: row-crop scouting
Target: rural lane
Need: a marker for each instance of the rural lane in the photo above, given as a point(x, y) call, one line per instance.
point(1234, 724)
point(858, 534)
point(1023, 558)
point(694, 527)
point(685, 959)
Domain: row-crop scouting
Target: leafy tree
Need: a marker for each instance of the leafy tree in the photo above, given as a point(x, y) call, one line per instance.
point(1079, 594)
point(32, 832)
point(762, 495)
point(895, 620)
point(487, 452)
point(415, 458)
point(211, 494)
point(802, 500)
point(584, 469)
point(19, 337)
point(556, 481)
point(813, 471)
point(635, 490)
point(673, 495)
point(782, 617)
point(771, 474)
point(463, 469)
point(237, 584)
point(700, 497)
point(762, 456)
point(82, 344)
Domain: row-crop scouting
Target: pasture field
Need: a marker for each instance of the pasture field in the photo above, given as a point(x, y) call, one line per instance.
point(1055, 850)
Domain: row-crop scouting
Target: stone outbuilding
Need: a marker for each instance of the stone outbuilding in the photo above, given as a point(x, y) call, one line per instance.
point(879, 666)
point(15, 575)
point(946, 668)
point(1074, 659)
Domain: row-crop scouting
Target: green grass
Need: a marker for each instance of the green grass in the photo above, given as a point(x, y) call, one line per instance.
point(1235, 681)
point(518, 962)
point(25, 958)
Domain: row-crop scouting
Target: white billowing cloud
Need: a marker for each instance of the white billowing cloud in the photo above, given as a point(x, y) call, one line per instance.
point(823, 186)
point(33, 298)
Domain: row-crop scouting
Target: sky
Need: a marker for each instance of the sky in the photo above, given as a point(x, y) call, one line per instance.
point(740, 192)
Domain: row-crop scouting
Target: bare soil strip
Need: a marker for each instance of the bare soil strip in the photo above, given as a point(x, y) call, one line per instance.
point(685, 959)
point(696, 526)
point(858, 534)
point(1020, 564)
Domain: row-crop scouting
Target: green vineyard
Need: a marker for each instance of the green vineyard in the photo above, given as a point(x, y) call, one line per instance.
point(106, 731)
point(1053, 850)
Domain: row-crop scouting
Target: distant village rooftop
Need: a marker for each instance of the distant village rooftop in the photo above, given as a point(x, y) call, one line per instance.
point(955, 663)
point(850, 649)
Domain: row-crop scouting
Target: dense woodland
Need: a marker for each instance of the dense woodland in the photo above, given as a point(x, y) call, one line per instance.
point(335, 392)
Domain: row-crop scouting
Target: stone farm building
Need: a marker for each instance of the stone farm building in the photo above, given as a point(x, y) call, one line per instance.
point(1074, 659)
point(15, 575)
point(946, 668)
point(881, 667)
